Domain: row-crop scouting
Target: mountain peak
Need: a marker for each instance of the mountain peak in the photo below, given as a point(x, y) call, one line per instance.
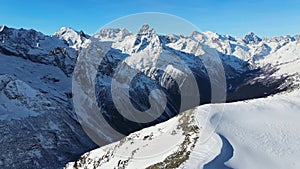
point(252, 38)
point(211, 35)
point(73, 37)
point(82, 34)
point(195, 33)
point(65, 30)
point(113, 34)
point(146, 29)
point(3, 27)
point(146, 37)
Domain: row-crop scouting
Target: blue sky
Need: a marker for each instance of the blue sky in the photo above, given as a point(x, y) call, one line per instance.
point(236, 17)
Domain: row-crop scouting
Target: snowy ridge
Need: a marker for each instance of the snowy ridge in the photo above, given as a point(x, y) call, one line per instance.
point(166, 145)
point(261, 134)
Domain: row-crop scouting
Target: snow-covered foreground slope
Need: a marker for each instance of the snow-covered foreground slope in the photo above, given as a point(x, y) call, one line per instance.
point(166, 145)
point(264, 133)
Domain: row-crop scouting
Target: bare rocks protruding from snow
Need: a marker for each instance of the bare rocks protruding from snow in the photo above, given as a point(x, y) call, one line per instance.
point(252, 38)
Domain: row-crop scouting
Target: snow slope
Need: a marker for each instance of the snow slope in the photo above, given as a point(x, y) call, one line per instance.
point(166, 145)
point(19, 100)
point(264, 132)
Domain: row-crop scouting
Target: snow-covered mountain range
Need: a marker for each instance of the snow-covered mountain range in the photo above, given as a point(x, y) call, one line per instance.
point(39, 126)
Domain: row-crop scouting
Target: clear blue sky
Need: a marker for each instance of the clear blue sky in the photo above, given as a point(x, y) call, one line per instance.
point(236, 17)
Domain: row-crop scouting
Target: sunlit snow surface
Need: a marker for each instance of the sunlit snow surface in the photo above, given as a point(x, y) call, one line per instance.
point(264, 133)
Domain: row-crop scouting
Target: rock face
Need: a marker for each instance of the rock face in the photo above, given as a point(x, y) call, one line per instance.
point(39, 124)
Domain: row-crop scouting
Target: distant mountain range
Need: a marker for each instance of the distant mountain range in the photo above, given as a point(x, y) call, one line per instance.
point(39, 126)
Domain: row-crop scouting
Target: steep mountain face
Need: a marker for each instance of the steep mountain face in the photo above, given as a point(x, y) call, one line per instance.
point(36, 131)
point(39, 124)
point(168, 62)
point(39, 128)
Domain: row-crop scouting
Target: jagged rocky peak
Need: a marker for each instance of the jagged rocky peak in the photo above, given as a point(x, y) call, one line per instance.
point(286, 38)
point(3, 27)
point(199, 36)
point(74, 39)
point(252, 38)
point(230, 38)
point(297, 37)
point(65, 30)
point(195, 33)
point(146, 30)
point(170, 38)
point(20, 33)
point(70, 31)
point(28, 38)
point(145, 37)
point(82, 34)
point(70, 35)
point(113, 34)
